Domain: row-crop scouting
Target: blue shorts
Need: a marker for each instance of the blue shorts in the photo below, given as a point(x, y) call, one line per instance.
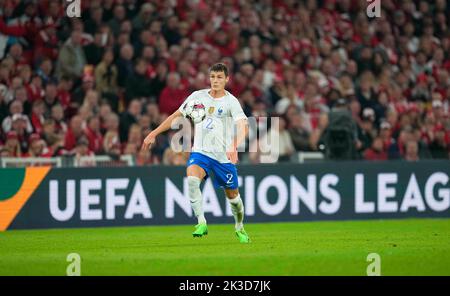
point(224, 174)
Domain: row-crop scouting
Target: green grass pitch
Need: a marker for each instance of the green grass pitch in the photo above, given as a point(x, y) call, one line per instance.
point(406, 247)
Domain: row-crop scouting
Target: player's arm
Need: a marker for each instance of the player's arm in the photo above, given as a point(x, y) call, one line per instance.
point(241, 134)
point(164, 126)
point(242, 130)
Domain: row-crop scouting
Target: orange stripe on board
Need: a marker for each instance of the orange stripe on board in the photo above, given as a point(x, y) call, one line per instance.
point(11, 207)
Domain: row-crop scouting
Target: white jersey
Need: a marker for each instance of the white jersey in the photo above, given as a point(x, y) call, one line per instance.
point(214, 135)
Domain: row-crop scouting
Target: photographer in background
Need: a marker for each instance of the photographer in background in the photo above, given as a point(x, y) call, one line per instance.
point(339, 140)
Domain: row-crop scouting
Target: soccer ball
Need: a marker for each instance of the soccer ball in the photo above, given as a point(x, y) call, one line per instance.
point(195, 110)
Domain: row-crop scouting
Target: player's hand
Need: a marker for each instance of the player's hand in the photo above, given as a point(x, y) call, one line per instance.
point(148, 141)
point(232, 155)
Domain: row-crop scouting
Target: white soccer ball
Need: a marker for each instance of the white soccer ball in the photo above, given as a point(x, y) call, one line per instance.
point(195, 110)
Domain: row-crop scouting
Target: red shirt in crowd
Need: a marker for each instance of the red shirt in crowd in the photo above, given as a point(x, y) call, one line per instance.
point(34, 93)
point(37, 122)
point(46, 45)
point(95, 140)
point(171, 99)
point(64, 98)
point(11, 30)
point(70, 140)
point(371, 154)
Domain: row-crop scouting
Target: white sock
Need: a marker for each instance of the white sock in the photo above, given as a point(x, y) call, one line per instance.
point(195, 196)
point(237, 208)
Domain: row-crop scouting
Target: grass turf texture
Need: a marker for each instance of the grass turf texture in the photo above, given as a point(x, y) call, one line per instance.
point(406, 247)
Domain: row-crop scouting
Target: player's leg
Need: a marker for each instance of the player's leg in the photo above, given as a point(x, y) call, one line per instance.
point(225, 176)
point(237, 208)
point(195, 175)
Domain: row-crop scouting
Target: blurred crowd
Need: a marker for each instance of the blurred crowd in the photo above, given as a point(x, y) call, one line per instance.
point(98, 84)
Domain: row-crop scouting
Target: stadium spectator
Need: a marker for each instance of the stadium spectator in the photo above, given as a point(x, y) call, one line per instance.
point(94, 50)
point(179, 159)
point(37, 115)
point(112, 123)
point(57, 114)
point(50, 97)
point(397, 148)
point(74, 132)
point(115, 151)
point(54, 140)
point(173, 95)
point(130, 149)
point(145, 157)
point(110, 139)
point(37, 147)
point(3, 104)
point(439, 146)
point(290, 58)
point(146, 14)
point(124, 63)
point(104, 112)
point(158, 82)
point(106, 79)
point(79, 94)
point(137, 84)
point(4, 152)
point(91, 101)
point(45, 70)
point(299, 135)
point(64, 94)
point(15, 108)
point(119, 15)
point(95, 19)
point(376, 151)
point(411, 151)
point(93, 135)
point(71, 59)
point(46, 42)
point(366, 130)
point(168, 157)
point(128, 118)
point(135, 135)
point(81, 150)
point(289, 97)
point(12, 144)
point(273, 153)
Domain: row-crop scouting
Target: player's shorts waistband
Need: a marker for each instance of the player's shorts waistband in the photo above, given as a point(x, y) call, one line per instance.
point(209, 158)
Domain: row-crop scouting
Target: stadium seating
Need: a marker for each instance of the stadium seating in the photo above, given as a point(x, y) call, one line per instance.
point(96, 85)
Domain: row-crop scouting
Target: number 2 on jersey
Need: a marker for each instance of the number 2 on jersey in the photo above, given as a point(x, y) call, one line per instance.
point(230, 178)
point(208, 124)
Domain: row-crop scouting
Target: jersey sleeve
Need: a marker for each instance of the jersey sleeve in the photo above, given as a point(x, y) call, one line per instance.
point(236, 110)
point(191, 97)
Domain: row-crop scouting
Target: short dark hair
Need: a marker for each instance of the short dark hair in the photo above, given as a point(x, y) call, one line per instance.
point(219, 67)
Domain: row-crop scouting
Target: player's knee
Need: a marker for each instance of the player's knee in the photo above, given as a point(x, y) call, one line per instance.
point(232, 193)
point(194, 184)
point(195, 171)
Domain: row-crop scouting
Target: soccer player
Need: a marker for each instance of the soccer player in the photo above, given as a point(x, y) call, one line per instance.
point(214, 153)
